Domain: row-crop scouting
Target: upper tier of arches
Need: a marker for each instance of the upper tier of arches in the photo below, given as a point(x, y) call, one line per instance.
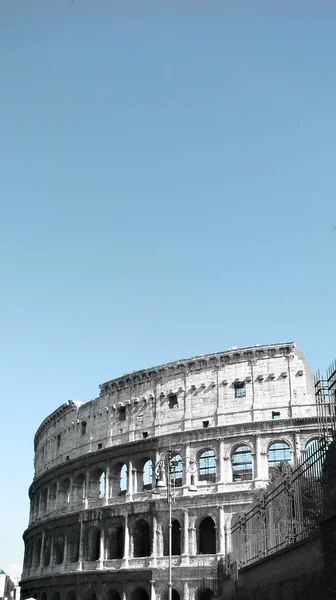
point(248, 385)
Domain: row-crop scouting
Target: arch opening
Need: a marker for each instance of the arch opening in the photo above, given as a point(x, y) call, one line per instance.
point(207, 466)
point(241, 461)
point(141, 539)
point(115, 544)
point(207, 536)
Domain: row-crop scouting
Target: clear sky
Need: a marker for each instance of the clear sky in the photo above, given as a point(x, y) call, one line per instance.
point(167, 189)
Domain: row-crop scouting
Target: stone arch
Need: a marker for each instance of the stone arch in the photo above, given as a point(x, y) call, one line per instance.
point(207, 536)
point(176, 470)
point(206, 461)
point(56, 596)
point(241, 461)
point(79, 488)
point(141, 538)
point(47, 551)
point(176, 538)
point(59, 549)
point(97, 482)
point(73, 545)
point(139, 593)
point(278, 452)
point(71, 595)
point(147, 474)
point(115, 542)
point(312, 446)
point(64, 492)
point(90, 595)
point(204, 593)
point(123, 479)
point(113, 595)
point(93, 544)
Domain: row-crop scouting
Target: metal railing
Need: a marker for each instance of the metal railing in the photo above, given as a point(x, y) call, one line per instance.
point(287, 512)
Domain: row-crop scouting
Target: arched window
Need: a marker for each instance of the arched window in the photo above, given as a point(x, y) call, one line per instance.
point(115, 544)
point(141, 539)
point(278, 452)
point(113, 595)
point(93, 544)
point(59, 549)
point(204, 594)
point(47, 552)
point(176, 538)
point(79, 488)
point(207, 466)
point(242, 464)
point(207, 537)
point(90, 595)
point(64, 492)
point(176, 470)
point(71, 595)
point(123, 480)
point(102, 484)
point(147, 475)
point(312, 446)
point(139, 594)
point(73, 552)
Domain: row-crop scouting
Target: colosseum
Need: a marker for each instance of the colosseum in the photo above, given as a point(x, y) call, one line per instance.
point(134, 491)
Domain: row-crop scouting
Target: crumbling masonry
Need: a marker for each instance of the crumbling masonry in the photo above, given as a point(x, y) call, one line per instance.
point(98, 528)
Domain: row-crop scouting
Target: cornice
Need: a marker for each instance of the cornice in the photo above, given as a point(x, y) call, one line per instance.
point(197, 363)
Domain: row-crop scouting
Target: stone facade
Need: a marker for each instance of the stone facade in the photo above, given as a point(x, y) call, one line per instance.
point(98, 527)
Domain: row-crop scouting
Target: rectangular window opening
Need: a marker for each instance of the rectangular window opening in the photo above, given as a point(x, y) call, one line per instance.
point(205, 424)
point(83, 427)
point(58, 440)
point(172, 401)
point(145, 434)
point(100, 446)
point(275, 415)
point(67, 458)
point(122, 413)
point(239, 390)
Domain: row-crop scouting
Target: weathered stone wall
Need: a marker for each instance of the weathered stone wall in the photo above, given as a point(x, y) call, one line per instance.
point(276, 378)
point(90, 486)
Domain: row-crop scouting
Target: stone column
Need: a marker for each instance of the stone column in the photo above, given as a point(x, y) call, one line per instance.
point(126, 541)
point(70, 493)
point(107, 484)
point(185, 591)
point(185, 539)
point(221, 531)
point(297, 448)
point(154, 540)
point(65, 551)
point(42, 551)
point(130, 479)
point(152, 594)
point(186, 532)
point(193, 539)
point(57, 494)
point(257, 456)
point(102, 545)
point(52, 550)
point(186, 471)
point(87, 489)
point(81, 545)
point(48, 500)
point(227, 469)
point(221, 474)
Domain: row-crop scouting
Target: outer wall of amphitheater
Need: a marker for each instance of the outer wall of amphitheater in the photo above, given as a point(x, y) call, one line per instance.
point(98, 526)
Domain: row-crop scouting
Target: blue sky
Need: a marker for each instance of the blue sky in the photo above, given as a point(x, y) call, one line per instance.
point(167, 189)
